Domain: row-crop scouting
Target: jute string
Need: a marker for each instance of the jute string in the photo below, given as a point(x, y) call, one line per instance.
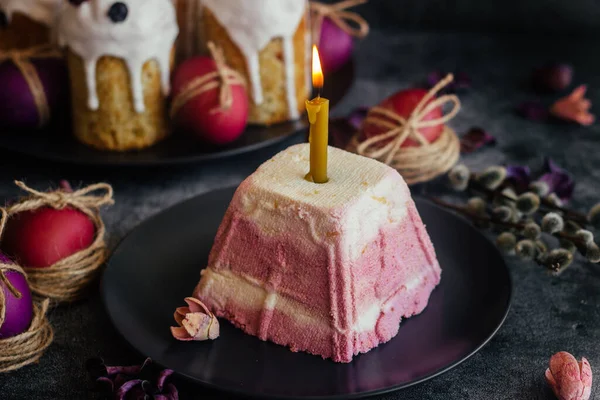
point(67, 280)
point(223, 78)
point(350, 22)
point(27, 347)
point(415, 164)
point(22, 60)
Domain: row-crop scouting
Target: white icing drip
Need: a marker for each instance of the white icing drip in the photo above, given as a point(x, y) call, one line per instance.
point(148, 33)
point(252, 25)
point(43, 11)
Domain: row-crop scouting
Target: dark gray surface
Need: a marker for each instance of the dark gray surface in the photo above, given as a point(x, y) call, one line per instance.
point(548, 314)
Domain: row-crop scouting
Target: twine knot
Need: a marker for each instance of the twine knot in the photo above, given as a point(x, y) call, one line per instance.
point(349, 22)
point(416, 164)
point(223, 78)
point(22, 60)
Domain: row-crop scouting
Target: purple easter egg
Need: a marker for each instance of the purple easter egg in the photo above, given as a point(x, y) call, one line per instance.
point(18, 311)
point(335, 46)
point(17, 106)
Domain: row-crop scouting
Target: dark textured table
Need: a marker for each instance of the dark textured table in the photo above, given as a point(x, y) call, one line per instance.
point(549, 314)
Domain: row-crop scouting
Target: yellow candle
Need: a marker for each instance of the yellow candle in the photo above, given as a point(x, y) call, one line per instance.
point(318, 117)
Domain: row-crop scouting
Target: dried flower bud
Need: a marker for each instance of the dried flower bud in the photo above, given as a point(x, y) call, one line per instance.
point(540, 188)
point(459, 177)
point(528, 203)
point(552, 223)
point(476, 206)
point(594, 216)
point(567, 245)
point(506, 241)
point(558, 260)
point(532, 231)
point(492, 177)
point(553, 199)
point(568, 378)
point(592, 253)
point(502, 213)
point(571, 227)
point(525, 249)
point(586, 236)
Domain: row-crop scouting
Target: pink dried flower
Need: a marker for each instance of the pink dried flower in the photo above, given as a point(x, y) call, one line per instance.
point(195, 322)
point(574, 107)
point(569, 379)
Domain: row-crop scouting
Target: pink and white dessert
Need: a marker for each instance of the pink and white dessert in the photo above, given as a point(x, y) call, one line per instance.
point(329, 269)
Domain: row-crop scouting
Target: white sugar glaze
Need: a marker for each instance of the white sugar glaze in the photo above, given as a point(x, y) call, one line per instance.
point(43, 11)
point(252, 25)
point(148, 33)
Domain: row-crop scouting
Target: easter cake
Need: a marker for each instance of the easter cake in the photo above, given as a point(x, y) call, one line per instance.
point(329, 269)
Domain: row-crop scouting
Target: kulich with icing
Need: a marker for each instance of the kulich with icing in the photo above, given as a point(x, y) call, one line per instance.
point(268, 41)
point(329, 269)
point(120, 54)
point(27, 23)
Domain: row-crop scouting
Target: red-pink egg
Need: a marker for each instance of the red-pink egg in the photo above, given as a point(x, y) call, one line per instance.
point(335, 46)
point(404, 103)
point(18, 311)
point(202, 115)
point(40, 238)
point(17, 106)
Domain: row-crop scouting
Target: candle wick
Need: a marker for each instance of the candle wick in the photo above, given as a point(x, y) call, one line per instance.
point(319, 93)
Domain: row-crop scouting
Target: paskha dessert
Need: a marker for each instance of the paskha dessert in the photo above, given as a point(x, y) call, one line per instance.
point(119, 57)
point(27, 23)
point(329, 269)
point(269, 43)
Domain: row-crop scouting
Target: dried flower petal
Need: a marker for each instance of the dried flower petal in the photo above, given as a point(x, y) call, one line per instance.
point(519, 176)
point(574, 107)
point(474, 139)
point(533, 110)
point(459, 177)
point(195, 322)
point(569, 379)
point(552, 77)
point(559, 180)
point(552, 223)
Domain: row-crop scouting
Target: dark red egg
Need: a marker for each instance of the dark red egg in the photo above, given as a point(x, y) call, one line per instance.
point(404, 103)
point(202, 115)
point(40, 238)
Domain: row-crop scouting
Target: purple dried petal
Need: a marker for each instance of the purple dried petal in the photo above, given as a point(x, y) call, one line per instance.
point(461, 81)
point(357, 116)
point(552, 77)
point(475, 139)
point(130, 370)
point(119, 380)
point(170, 393)
point(559, 180)
point(104, 385)
point(434, 77)
point(519, 176)
point(96, 367)
point(533, 110)
point(162, 377)
point(126, 387)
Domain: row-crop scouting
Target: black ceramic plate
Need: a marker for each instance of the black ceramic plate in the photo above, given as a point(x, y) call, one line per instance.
point(56, 145)
point(159, 263)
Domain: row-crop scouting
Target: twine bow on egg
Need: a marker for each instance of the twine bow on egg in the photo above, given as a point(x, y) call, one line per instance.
point(22, 60)
point(223, 78)
point(427, 160)
point(27, 347)
point(67, 279)
point(339, 15)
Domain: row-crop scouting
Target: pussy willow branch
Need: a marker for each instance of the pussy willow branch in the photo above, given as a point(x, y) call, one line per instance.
point(570, 214)
point(520, 226)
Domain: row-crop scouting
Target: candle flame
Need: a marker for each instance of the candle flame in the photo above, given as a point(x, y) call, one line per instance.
point(317, 71)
